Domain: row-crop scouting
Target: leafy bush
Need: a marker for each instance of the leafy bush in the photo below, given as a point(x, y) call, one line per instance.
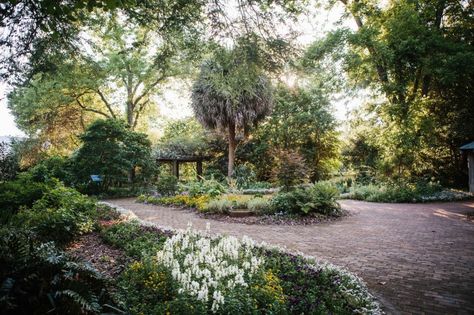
point(55, 167)
point(148, 288)
point(290, 169)
point(167, 185)
point(39, 279)
point(22, 192)
point(244, 176)
point(60, 215)
point(318, 198)
point(133, 238)
point(395, 192)
point(209, 187)
point(111, 149)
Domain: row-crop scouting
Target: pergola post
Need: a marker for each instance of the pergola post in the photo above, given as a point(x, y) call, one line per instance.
point(199, 169)
point(176, 168)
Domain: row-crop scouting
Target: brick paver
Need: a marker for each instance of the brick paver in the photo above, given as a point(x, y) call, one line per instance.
point(416, 258)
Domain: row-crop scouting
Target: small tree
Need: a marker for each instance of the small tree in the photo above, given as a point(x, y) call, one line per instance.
point(290, 169)
point(231, 95)
point(112, 150)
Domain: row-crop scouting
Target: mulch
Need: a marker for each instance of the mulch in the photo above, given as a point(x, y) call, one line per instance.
point(275, 219)
point(108, 260)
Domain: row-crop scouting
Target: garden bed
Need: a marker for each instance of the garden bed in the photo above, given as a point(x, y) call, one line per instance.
point(276, 219)
point(272, 278)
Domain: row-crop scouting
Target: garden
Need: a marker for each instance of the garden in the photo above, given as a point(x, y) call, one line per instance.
point(241, 112)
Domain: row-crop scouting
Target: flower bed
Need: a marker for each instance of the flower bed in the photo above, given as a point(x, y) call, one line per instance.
point(198, 273)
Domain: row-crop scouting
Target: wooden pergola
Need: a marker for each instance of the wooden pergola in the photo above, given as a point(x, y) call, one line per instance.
point(175, 161)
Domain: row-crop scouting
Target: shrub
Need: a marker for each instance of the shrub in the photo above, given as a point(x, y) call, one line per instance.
point(22, 192)
point(148, 288)
point(319, 198)
point(209, 187)
point(60, 215)
point(395, 192)
point(167, 185)
point(244, 175)
point(56, 167)
point(323, 197)
point(290, 169)
point(133, 238)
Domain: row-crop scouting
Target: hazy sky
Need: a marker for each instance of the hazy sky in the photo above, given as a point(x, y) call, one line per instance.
point(174, 103)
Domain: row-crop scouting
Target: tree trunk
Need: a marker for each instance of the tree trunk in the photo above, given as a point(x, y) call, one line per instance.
point(130, 114)
point(232, 147)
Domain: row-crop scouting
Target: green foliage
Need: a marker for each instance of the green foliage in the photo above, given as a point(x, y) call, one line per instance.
point(183, 138)
point(260, 206)
point(60, 215)
point(318, 198)
point(116, 153)
point(290, 169)
point(134, 239)
point(9, 163)
point(199, 201)
point(167, 185)
point(301, 121)
point(22, 192)
point(55, 167)
point(38, 278)
point(423, 68)
point(395, 192)
point(232, 94)
point(147, 288)
point(313, 289)
point(221, 206)
point(244, 176)
point(210, 187)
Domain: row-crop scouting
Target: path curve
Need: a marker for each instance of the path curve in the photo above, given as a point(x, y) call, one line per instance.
point(416, 258)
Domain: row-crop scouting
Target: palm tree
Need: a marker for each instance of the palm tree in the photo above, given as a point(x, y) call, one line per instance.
point(231, 96)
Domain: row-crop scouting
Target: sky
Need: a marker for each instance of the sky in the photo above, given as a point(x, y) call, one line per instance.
point(174, 102)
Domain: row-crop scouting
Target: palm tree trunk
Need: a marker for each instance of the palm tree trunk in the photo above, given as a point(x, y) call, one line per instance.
point(232, 147)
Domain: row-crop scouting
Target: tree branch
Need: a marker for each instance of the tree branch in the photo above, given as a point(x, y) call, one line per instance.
point(107, 104)
point(90, 109)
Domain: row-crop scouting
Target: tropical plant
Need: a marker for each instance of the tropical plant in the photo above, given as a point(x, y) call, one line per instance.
point(232, 94)
point(318, 198)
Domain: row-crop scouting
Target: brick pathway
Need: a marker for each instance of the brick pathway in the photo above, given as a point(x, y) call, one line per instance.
point(416, 258)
